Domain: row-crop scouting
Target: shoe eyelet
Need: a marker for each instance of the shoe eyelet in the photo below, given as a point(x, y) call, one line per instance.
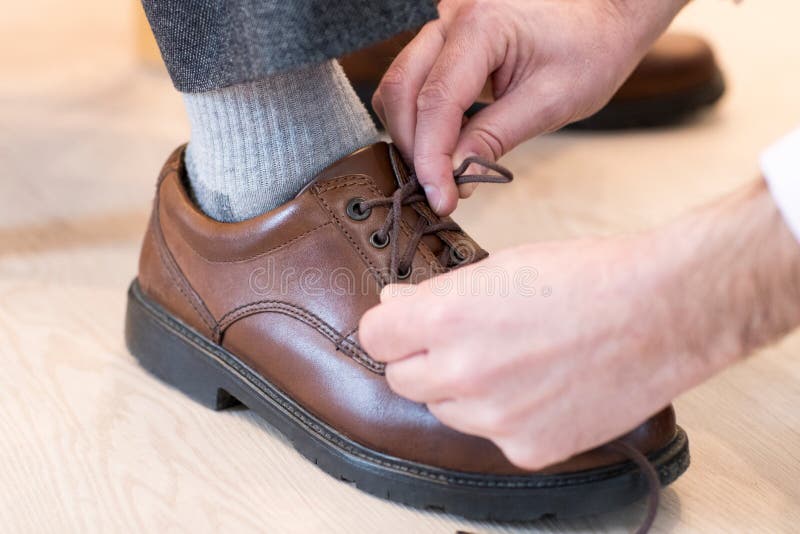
point(354, 210)
point(457, 256)
point(402, 274)
point(376, 241)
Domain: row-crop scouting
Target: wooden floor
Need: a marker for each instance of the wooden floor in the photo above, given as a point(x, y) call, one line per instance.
point(90, 443)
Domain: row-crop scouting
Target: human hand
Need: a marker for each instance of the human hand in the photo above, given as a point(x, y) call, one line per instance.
point(615, 329)
point(515, 367)
point(549, 63)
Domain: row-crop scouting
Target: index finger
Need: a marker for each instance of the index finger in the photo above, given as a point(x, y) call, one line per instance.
point(395, 100)
point(453, 85)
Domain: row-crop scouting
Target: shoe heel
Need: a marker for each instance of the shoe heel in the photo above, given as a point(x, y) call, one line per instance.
point(168, 355)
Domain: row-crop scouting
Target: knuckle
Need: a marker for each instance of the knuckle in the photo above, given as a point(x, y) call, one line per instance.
point(491, 137)
point(394, 84)
point(433, 96)
point(472, 8)
point(435, 26)
point(460, 378)
point(482, 16)
point(474, 12)
point(438, 317)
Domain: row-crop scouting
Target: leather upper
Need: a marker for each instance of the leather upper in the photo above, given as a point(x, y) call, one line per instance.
point(284, 292)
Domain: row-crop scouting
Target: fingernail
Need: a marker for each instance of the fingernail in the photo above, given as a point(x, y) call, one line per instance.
point(434, 197)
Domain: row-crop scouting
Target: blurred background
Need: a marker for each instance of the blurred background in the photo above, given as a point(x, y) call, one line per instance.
point(83, 96)
point(89, 442)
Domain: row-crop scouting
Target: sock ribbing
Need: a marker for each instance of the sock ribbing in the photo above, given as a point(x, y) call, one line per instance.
point(255, 145)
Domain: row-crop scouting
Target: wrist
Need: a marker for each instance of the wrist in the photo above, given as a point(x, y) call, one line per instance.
point(646, 20)
point(731, 273)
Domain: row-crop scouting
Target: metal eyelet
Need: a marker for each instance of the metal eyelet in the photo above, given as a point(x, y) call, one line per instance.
point(402, 274)
point(376, 241)
point(354, 210)
point(457, 256)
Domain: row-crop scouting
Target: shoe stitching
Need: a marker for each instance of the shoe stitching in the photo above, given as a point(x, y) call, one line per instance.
point(372, 268)
point(350, 348)
point(429, 256)
point(668, 472)
point(180, 289)
point(174, 272)
point(336, 183)
point(366, 181)
point(411, 193)
point(344, 337)
point(449, 237)
point(173, 164)
point(259, 254)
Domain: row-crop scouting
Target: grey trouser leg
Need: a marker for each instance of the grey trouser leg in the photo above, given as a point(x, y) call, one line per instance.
point(209, 44)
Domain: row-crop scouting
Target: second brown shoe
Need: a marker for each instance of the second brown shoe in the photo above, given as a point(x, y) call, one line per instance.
point(265, 312)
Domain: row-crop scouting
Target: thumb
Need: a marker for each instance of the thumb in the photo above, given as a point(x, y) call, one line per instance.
point(504, 124)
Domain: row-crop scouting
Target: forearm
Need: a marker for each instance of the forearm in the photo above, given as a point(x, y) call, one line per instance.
point(732, 276)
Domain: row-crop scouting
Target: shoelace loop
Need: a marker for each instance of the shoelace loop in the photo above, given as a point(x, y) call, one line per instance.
point(411, 193)
point(400, 267)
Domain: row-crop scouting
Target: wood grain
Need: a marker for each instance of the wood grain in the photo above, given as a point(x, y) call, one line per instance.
point(90, 443)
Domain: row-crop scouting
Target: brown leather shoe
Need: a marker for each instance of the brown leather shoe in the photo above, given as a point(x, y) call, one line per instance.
point(265, 312)
point(678, 77)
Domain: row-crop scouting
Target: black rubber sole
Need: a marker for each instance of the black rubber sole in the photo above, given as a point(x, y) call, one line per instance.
point(211, 375)
point(664, 110)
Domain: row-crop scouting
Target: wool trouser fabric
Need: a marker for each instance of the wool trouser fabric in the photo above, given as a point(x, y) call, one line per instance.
point(209, 44)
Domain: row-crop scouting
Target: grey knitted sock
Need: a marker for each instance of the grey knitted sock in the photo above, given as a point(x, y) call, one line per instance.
point(255, 145)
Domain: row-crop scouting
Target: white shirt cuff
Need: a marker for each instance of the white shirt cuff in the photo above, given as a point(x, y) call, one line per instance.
point(780, 164)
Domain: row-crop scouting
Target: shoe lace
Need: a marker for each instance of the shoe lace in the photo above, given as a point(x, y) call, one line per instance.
point(650, 474)
point(411, 193)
